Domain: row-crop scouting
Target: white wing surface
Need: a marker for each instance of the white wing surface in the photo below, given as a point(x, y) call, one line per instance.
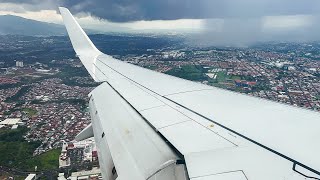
point(150, 125)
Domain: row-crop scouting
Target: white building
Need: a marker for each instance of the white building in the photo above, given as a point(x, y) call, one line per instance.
point(30, 177)
point(10, 121)
point(19, 63)
point(61, 177)
point(13, 122)
point(94, 173)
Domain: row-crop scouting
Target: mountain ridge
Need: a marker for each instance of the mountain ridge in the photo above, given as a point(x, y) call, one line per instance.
point(16, 25)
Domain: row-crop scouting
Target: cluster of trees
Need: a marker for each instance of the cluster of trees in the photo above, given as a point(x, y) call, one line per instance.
point(18, 153)
point(14, 149)
point(189, 72)
point(20, 93)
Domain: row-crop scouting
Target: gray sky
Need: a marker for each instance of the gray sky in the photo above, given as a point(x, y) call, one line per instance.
point(219, 21)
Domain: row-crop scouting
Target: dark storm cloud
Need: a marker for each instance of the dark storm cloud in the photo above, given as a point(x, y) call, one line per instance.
point(31, 5)
point(127, 10)
point(130, 10)
point(242, 19)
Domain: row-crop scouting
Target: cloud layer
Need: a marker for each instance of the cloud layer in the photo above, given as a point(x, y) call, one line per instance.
point(134, 10)
point(223, 22)
point(128, 10)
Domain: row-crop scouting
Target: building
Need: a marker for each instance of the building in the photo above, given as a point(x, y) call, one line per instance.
point(61, 176)
point(15, 126)
point(82, 156)
point(19, 63)
point(78, 154)
point(10, 121)
point(30, 177)
point(87, 175)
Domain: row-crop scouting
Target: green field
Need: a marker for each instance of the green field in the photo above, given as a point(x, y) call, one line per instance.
point(234, 77)
point(46, 161)
point(222, 76)
point(29, 111)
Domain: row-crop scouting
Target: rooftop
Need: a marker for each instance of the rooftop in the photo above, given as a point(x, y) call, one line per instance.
point(30, 176)
point(10, 121)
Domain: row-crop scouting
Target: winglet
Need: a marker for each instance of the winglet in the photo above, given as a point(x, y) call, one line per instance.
point(79, 39)
point(81, 43)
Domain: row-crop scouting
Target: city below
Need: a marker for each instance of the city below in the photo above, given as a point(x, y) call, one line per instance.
point(44, 89)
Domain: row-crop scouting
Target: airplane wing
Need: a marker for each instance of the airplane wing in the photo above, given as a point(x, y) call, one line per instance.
point(150, 125)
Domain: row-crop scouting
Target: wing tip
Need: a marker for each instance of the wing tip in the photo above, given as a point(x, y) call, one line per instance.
point(63, 9)
point(80, 40)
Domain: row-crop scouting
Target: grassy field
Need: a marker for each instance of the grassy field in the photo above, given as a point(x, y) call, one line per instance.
point(221, 76)
point(233, 77)
point(45, 161)
point(29, 111)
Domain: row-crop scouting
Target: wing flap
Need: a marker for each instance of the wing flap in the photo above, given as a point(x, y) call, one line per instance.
point(252, 161)
point(288, 130)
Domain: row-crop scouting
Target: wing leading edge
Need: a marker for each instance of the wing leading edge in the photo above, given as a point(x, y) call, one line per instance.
point(220, 134)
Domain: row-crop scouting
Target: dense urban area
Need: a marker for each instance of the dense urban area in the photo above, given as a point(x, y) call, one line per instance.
point(44, 88)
